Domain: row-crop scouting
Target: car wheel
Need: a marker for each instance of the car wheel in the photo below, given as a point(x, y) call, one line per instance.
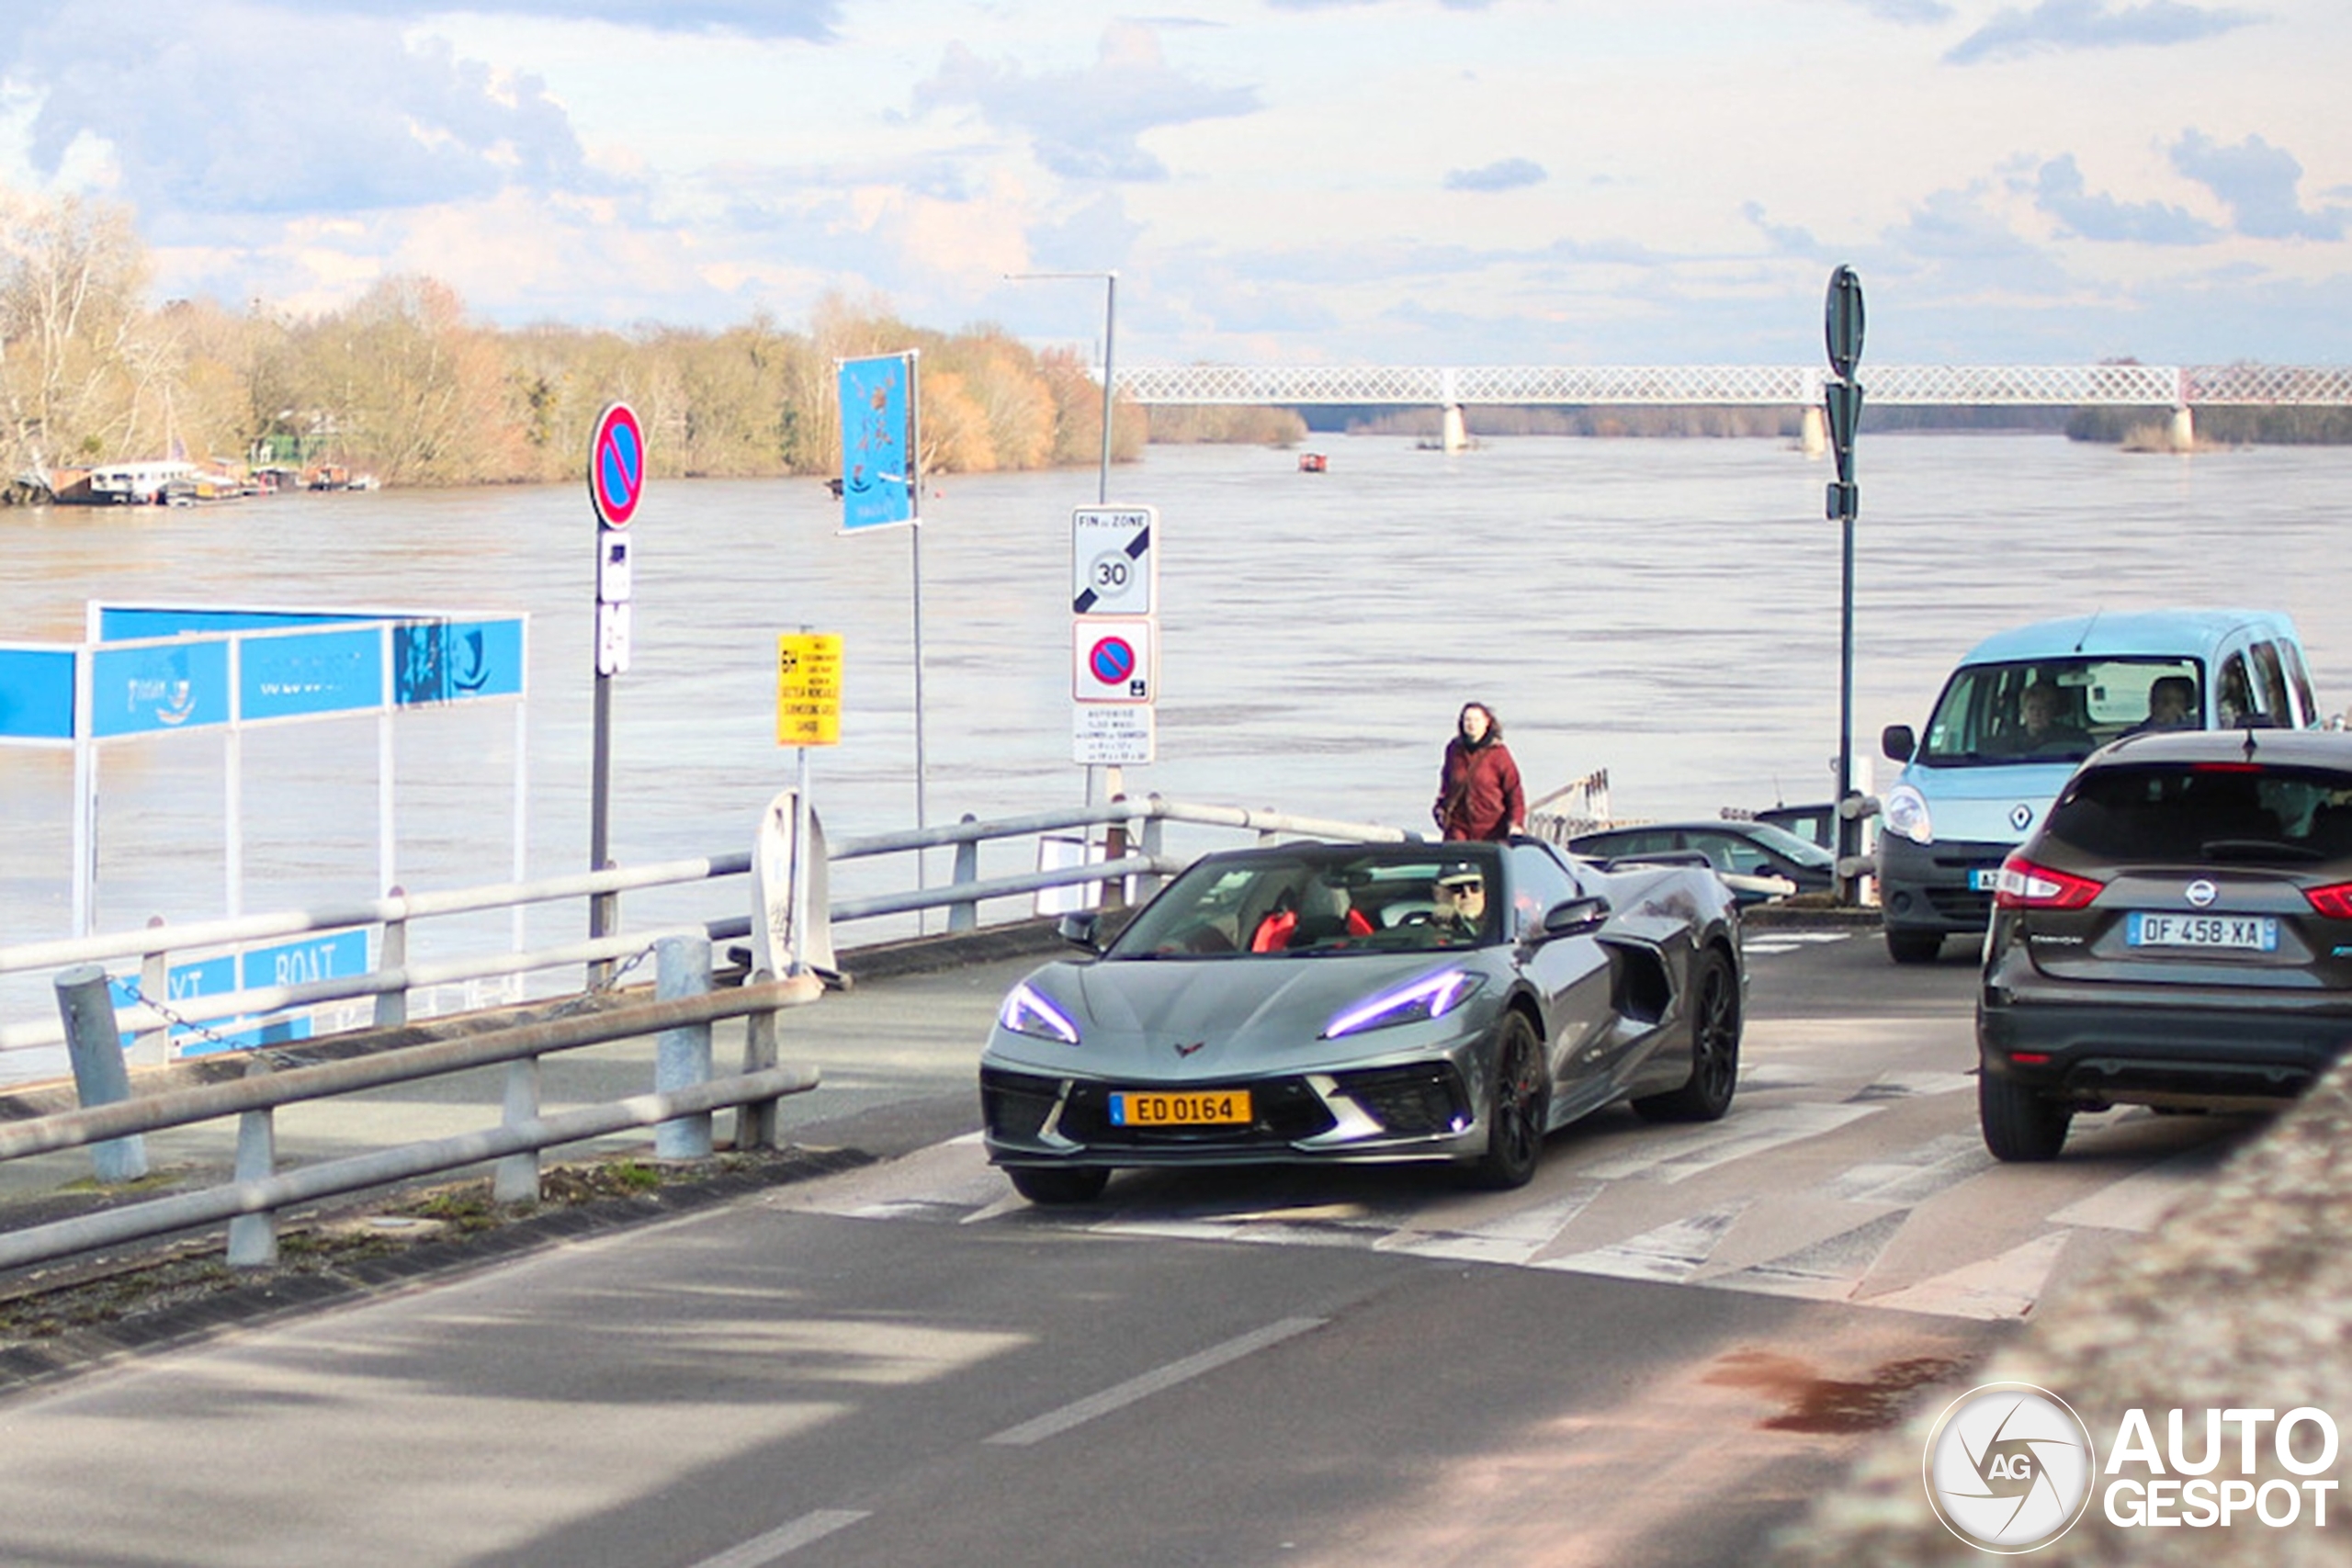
point(2018, 1125)
point(1515, 1118)
point(1913, 947)
point(1715, 1048)
point(1057, 1186)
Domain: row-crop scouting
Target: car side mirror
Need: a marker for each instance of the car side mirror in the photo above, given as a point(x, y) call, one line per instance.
point(1082, 929)
point(1574, 916)
point(1897, 741)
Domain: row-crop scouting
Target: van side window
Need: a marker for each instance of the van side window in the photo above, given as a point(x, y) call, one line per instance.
point(2306, 706)
point(2233, 694)
point(2270, 687)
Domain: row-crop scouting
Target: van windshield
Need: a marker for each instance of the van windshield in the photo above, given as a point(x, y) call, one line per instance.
point(2060, 709)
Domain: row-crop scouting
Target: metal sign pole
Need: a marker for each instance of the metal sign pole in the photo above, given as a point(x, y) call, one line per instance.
point(1842, 399)
point(616, 484)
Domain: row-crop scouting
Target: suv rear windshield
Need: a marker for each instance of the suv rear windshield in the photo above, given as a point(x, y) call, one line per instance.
point(2199, 812)
point(2055, 710)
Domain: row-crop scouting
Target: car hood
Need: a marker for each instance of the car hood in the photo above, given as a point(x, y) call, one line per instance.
point(1989, 805)
point(1185, 1019)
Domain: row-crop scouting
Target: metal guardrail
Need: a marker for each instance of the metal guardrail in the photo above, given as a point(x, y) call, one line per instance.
point(250, 1201)
point(391, 980)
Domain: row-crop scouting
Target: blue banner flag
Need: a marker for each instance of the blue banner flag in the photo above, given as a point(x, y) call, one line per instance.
point(37, 694)
point(877, 440)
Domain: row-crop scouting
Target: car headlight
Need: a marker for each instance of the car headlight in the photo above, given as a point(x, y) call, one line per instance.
point(1906, 812)
point(1026, 1011)
point(1431, 996)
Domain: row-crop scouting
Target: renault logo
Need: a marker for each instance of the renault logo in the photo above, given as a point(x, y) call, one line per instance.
point(2201, 893)
point(2020, 816)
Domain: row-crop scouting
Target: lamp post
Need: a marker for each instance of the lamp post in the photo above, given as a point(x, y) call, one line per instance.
point(1109, 328)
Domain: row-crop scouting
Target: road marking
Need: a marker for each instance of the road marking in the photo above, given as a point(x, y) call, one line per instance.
point(1669, 1255)
point(2005, 1285)
point(2140, 1200)
point(1829, 1270)
point(1679, 1154)
point(1055, 1422)
point(760, 1550)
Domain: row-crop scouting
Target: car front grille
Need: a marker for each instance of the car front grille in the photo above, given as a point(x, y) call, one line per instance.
point(1285, 1110)
point(1424, 1097)
point(1959, 904)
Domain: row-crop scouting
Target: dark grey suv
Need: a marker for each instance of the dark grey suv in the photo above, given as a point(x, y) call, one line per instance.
point(2177, 933)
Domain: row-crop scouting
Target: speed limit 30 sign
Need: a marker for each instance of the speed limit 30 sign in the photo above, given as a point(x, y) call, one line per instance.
point(1113, 569)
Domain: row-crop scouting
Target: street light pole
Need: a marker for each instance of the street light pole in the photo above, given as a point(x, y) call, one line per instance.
point(1110, 330)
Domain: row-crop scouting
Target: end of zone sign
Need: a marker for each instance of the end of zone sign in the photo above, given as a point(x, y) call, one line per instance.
point(1113, 569)
point(1111, 659)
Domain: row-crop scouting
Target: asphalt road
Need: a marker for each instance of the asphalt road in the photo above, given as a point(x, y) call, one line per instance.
point(1656, 1353)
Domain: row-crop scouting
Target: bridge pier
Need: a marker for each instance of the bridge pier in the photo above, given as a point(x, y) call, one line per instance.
point(1815, 437)
point(1454, 435)
point(2182, 437)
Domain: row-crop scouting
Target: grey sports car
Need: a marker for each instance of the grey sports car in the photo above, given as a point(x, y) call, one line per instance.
point(1324, 1002)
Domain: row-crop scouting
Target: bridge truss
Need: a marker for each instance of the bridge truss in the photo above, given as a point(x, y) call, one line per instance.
point(1769, 386)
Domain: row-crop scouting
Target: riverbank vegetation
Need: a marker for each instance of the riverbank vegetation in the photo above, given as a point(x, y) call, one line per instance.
point(405, 384)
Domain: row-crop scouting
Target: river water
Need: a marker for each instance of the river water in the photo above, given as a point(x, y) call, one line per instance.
point(1664, 609)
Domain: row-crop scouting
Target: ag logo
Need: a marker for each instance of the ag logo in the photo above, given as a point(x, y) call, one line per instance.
point(2008, 1468)
point(2020, 816)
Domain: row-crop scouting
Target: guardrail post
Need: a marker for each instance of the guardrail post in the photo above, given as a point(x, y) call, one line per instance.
point(681, 1055)
point(965, 917)
point(756, 1121)
point(94, 1042)
point(153, 1047)
point(391, 1007)
point(252, 1238)
point(517, 1177)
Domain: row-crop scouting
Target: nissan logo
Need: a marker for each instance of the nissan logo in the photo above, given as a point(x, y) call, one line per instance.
point(2200, 893)
point(2020, 816)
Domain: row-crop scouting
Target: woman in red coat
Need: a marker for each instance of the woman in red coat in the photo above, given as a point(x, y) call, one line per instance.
point(1478, 794)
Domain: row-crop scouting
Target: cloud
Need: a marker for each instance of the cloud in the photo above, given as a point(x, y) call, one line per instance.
point(2057, 25)
point(1507, 173)
point(2059, 191)
point(349, 119)
point(2257, 182)
point(1910, 13)
point(1786, 238)
point(1084, 124)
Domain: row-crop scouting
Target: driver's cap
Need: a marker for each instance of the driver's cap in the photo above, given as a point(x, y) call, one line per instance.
point(1460, 874)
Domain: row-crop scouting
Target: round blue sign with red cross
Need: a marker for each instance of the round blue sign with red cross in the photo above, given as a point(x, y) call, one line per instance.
point(1112, 661)
point(617, 466)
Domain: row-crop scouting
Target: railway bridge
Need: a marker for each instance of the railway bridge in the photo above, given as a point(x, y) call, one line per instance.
point(2181, 389)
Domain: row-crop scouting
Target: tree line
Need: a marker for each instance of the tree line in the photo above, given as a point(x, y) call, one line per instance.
point(405, 384)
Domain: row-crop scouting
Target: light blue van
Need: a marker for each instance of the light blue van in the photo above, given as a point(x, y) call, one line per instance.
point(2025, 706)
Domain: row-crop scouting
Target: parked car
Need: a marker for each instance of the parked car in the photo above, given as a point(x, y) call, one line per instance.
point(2023, 709)
point(2176, 933)
point(1312, 1003)
point(1754, 854)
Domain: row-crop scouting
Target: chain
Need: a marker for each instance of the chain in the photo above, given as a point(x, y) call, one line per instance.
point(173, 1017)
point(612, 982)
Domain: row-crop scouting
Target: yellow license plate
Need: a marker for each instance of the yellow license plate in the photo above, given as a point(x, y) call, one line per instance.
point(1212, 1108)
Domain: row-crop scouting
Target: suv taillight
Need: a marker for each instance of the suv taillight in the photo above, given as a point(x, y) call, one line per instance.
point(2335, 902)
point(2025, 886)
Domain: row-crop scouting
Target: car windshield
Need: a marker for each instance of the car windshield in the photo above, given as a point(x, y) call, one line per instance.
point(1805, 851)
point(1316, 900)
point(2195, 812)
point(2058, 710)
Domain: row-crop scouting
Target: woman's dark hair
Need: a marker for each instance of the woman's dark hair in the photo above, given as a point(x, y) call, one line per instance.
point(1494, 725)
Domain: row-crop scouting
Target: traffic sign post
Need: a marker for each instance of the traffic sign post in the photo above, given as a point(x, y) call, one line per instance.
point(1114, 635)
point(1111, 659)
point(1842, 406)
point(616, 485)
point(807, 713)
point(1113, 569)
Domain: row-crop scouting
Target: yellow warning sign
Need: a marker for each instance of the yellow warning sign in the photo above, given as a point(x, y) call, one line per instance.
point(809, 689)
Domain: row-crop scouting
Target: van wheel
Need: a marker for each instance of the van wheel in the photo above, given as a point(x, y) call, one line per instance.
point(1913, 947)
point(2020, 1125)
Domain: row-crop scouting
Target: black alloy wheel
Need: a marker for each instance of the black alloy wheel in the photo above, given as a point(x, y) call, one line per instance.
point(1057, 1186)
point(1714, 1047)
point(1522, 1098)
point(2019, 1126)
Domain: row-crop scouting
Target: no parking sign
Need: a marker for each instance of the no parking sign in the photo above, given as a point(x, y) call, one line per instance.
point(1111, 659)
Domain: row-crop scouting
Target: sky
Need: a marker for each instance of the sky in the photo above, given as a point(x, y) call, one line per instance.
point(1376, 182)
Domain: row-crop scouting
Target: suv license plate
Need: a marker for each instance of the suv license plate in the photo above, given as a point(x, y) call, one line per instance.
point(1215, 1108)
point(1985, 879)
point(2254, 933)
